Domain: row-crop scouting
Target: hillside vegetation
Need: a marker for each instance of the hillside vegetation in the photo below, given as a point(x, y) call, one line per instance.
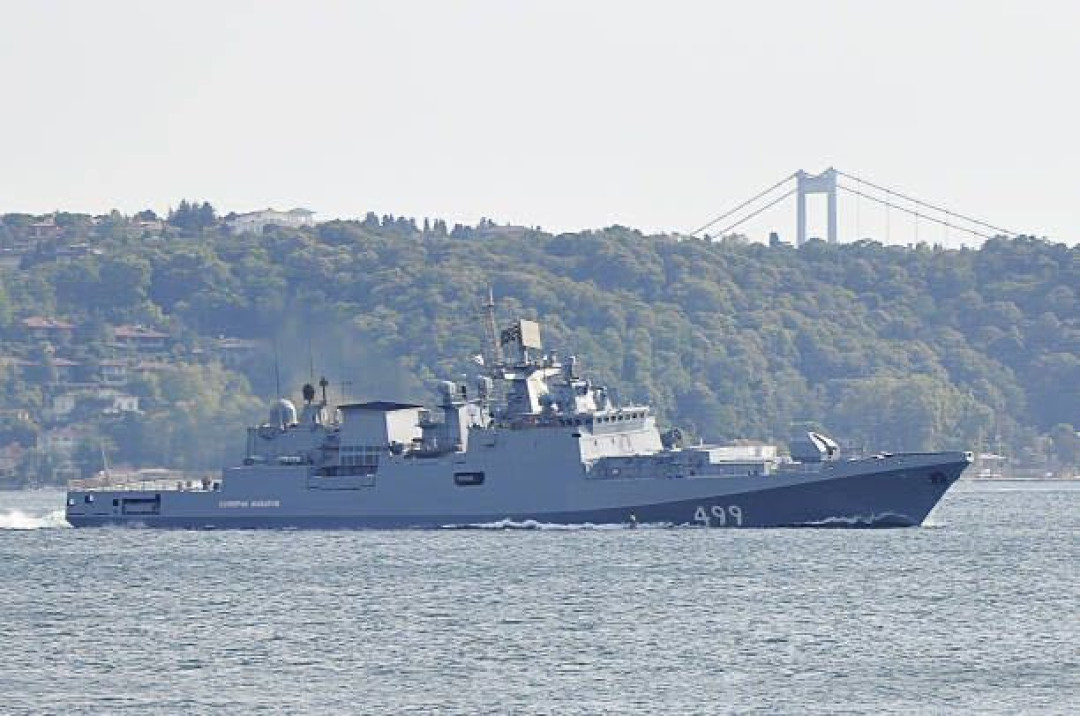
point(886, 347)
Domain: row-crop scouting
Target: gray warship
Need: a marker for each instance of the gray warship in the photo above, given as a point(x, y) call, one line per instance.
point(530, 442)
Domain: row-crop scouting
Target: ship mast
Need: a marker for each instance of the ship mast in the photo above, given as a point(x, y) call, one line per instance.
point(492, 331)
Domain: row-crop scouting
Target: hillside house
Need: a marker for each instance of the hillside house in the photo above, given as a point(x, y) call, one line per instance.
point(118, 402)
point(19, 368)
point(67, 371)
point(152, 226)
point(62, 405)
point(113, 372)
point(140, 338)
point(48, 329)
point(255, 221)
point(16, 414)
point(234, 351)
point(46, 229)
point(148, 367)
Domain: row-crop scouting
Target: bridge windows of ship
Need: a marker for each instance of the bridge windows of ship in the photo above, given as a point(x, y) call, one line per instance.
point(637, 415)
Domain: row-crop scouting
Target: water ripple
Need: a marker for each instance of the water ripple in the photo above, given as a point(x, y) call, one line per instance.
point(976, 615)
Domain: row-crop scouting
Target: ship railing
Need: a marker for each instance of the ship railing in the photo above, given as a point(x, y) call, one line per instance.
point(135, 483)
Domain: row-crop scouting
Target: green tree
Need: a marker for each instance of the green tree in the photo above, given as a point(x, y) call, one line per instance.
point(1066, 444)
point(6, 311)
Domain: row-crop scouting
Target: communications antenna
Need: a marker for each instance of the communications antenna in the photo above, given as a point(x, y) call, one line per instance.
point(277, 369)
point(491, 330)
point(310, 357)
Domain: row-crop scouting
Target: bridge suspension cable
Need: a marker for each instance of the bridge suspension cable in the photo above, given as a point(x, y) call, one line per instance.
point(918, 215)
point(913, 200)
point(754, 213)
point(747, 203)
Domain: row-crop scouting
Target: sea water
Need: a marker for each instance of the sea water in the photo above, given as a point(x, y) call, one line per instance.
point(978, 612)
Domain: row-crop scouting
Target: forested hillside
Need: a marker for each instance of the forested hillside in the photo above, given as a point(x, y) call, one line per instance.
point(883, 346)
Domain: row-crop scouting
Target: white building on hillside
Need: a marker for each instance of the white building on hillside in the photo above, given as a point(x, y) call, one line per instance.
point(254, 222)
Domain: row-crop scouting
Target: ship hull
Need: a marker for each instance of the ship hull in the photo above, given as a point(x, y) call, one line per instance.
point(893, 491)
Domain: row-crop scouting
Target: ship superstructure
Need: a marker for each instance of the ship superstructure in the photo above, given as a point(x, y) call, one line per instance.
point(529, 441)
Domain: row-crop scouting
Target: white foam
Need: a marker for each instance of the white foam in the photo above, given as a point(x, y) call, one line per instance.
point(19, 520)
point(933, 521)
point(508, 524)
point(873, 520)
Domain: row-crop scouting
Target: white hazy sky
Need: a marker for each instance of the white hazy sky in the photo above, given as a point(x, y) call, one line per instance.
point(566, 115)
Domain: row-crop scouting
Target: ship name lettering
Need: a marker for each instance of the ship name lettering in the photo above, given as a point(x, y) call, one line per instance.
point(719, 516)
point(233, 504)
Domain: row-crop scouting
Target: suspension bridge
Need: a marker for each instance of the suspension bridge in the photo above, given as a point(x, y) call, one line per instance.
point(801, 185)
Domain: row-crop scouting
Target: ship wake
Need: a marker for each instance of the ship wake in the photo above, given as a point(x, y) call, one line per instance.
point(508, 524)
point(876, 520)
point(19, 520)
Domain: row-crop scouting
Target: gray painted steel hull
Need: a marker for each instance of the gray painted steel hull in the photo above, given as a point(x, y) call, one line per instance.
point(893, 491)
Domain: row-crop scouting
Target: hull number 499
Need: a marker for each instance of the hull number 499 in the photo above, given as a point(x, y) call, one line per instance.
point(719, 516)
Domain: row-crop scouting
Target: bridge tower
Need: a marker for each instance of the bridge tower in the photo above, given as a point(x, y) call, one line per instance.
point(823, 183)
